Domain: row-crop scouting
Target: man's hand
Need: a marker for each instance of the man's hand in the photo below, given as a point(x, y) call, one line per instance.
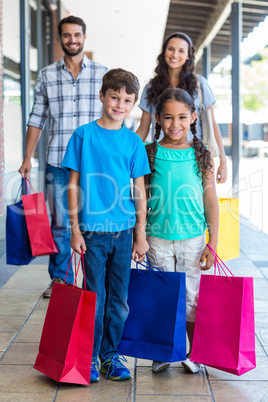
point(25, 168)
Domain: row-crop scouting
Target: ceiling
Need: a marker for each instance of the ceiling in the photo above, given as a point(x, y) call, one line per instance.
point(206, 20)
point(123, 33)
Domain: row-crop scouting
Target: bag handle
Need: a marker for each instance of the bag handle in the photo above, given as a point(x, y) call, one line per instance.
point(148, 265)
point(76, 270)
point(29, 187)
point(218, 264)
point(23, 181)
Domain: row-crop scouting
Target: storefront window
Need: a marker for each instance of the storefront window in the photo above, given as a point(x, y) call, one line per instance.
point(11, 85)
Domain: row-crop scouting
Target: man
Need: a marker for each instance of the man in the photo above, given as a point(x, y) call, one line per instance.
point(67, 91)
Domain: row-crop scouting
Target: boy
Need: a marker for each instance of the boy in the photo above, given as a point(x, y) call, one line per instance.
point(102, 157)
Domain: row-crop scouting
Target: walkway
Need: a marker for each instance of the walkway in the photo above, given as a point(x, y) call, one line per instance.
point(22, 313)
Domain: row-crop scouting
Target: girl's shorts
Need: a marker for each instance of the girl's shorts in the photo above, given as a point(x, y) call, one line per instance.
point(180, 256)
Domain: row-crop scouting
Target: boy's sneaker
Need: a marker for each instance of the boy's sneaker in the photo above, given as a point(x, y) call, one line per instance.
point(192, 367)
point(159, 366)
point(48, 291)
point(114, 368)
point(95, 372)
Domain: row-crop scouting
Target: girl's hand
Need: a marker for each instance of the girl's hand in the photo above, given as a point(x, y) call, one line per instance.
point(78, 243)
point(209, 257)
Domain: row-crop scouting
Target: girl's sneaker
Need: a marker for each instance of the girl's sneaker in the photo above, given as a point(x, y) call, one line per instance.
point(114, 368)
point(192, 367)
point(95, 372)
point(159, 366)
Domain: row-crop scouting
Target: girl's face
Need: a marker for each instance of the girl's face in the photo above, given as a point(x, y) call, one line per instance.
point(177, 52)
point(175, 120)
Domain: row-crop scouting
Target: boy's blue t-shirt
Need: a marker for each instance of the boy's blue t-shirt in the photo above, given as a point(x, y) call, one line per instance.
point(106, 161)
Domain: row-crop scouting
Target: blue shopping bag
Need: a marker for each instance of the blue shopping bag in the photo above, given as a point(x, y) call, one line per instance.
point(18, 248)
point(156, 325)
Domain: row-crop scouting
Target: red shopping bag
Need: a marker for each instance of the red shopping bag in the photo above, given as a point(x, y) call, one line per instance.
point(65, 350)
point(39, 231)
point(224, 335)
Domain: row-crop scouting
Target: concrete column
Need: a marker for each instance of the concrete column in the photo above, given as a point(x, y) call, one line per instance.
point(236, 125)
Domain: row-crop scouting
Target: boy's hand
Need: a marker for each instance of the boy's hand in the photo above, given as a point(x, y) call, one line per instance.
point(209, 257)
point(78, 243)
point(139, 249)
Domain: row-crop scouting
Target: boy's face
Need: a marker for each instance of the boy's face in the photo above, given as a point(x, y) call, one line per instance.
point(117, 105)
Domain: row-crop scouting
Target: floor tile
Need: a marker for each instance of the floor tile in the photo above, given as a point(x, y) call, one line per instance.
point(265, 272)
point(260, 306)
point(32, 277)
point(104, 390)
point(5, 339)
point(24, 379)
point(244, 391)
point(20, 295)
point(21, 353)
point(260, 289)
point(11, 308)
point(43, 303)
point(260, 373)
point(171, 398)
point(11, 324)
point(172, 381)
point(27, 397)
point(37, 317)
point(30, 333)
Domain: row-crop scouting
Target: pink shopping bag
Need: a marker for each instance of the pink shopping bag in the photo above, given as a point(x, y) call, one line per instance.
point(38, 226)
point(224, 335)
point(65, 350)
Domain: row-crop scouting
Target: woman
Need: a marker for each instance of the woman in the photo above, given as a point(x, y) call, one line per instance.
point(175, 69)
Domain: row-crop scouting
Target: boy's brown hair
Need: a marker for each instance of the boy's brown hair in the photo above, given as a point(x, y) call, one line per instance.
point(117, 79)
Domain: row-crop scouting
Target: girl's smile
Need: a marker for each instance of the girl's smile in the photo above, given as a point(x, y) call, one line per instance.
point(175, 120)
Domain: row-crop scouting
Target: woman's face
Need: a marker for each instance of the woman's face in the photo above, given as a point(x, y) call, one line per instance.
point(176, 53)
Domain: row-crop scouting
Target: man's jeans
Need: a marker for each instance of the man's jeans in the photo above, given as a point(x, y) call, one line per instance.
point(57, 180)
point(107, 267)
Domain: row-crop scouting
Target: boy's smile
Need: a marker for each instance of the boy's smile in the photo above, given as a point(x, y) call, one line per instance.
point(117, 105)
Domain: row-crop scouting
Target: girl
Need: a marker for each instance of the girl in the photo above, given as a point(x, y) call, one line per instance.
point(182, 201)
point(175, 69)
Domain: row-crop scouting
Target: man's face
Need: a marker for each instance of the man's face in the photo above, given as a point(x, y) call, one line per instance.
point(72, 39)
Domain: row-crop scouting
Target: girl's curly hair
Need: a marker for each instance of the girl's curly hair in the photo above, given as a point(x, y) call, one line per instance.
point(202, 155)
point(187, 77)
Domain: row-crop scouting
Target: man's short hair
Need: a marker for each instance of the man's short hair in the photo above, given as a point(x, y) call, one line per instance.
point(71, 20)
point(117, 79)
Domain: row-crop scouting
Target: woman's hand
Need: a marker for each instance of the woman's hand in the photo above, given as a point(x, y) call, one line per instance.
point(221, 175)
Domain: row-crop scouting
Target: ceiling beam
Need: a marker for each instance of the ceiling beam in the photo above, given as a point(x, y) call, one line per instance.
point(193, 3)
point(214, 29)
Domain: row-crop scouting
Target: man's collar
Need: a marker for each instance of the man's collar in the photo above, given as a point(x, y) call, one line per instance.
point(85, 62)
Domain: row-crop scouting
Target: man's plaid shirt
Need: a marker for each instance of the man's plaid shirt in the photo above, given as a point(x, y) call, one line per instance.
point(69, 103)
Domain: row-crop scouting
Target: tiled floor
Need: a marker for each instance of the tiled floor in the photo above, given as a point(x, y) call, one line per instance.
point(22, 313)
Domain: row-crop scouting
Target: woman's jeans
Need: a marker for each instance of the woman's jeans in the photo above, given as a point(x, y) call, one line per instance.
point(57, 180)
point(107, 269)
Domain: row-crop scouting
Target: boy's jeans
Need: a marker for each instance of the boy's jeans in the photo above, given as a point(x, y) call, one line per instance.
point(57, 180)
point(107, 267)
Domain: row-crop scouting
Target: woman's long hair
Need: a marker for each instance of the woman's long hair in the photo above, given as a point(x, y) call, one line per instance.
point(202, 155)
point(187, 78)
